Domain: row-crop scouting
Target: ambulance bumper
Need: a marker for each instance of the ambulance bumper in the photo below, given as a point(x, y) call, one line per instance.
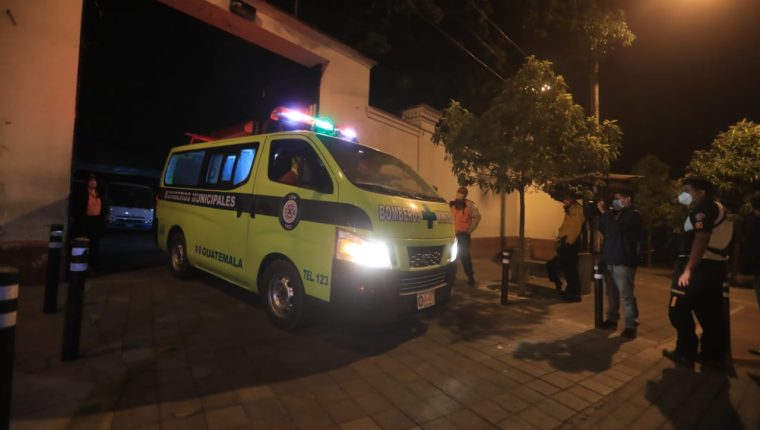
point(388, 293)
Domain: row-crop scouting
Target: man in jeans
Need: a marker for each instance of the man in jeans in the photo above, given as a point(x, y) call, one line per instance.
point(621, 227)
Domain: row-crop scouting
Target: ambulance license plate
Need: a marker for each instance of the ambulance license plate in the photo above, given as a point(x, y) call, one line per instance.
point(426, 299)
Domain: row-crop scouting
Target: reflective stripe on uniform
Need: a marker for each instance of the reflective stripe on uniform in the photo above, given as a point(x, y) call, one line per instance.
point(9, 292)
point(54, 245)
point(8, 320)
point(679, 292)
point(78, 267)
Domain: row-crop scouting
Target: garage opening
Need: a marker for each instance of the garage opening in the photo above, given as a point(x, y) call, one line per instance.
point(148, 75)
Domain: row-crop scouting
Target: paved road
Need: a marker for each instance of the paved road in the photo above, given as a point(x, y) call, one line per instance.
point(159, 353)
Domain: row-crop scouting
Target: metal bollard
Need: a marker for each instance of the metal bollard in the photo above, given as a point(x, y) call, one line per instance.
point(72, 324)
point(598, 296)
point(9, 280)
point(728, 358)
point(504, 277)
point(53, 268)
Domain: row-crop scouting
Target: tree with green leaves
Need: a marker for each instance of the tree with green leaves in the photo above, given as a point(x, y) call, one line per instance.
point(732, 163)
point(655, 197)
point(532, 135)
point(597, 28)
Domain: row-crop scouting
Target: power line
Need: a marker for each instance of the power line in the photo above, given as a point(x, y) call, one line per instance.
point(460, 46)
point(493, 24)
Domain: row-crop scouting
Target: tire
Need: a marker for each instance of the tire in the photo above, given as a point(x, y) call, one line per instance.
point(178, 262)
point(284, 296)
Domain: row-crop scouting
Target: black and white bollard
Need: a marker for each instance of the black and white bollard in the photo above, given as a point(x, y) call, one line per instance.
point(9, 280)
point(598, 296)
point(72, 324)
point(504, 277)
point(53, 268)
point(728, 358)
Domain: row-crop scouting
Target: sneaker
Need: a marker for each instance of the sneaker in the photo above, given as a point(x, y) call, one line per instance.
point(630, 333)
point(609, 325)
point(677, 358)
point(711, 364)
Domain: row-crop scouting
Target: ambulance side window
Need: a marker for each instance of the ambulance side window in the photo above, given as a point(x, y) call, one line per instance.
point(229, 167)
point(294, 162)
point(184, 168)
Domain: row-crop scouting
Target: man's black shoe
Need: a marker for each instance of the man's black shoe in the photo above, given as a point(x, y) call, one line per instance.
point(571, 298)
point(709, 363)
point(630, 333)
point(677, 358)
point(609, 325)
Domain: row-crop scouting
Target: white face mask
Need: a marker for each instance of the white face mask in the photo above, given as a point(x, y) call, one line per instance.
point(617, 204)
point(460, 196)
point(685, 198)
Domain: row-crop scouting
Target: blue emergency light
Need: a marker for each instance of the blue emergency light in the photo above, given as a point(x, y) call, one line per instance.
point(294, 119)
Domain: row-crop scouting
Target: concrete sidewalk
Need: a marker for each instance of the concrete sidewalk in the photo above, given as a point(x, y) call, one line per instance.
point(164, 354)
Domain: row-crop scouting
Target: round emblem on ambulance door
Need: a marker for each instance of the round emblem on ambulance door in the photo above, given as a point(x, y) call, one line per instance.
point(289, 215)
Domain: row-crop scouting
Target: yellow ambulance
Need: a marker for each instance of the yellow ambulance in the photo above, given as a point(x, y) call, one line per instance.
point(307, 214)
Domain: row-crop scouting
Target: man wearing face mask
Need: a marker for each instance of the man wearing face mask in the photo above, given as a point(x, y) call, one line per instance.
point(466, 219)
point(621, 228)
point(698, 278)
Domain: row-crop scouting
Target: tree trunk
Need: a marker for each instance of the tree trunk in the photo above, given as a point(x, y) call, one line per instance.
point(521, 243)
point(503, 223)
point(649, 247)
point(594, 86)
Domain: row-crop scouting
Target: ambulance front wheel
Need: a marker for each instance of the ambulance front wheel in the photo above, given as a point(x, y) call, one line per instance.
point(285, 296)
point(180, 266)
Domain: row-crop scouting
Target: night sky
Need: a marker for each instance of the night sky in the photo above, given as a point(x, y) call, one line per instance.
point(149, 73)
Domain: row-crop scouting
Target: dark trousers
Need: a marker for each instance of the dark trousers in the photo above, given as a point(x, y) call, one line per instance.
point(92, 228)
point(566, 261)
point(703, 297)
point(463, 244)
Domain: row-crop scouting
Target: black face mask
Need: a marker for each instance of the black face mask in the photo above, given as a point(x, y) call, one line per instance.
point(458, 204)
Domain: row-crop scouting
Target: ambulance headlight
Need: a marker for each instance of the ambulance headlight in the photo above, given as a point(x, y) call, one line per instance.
point(454, 251)
point(369, 253)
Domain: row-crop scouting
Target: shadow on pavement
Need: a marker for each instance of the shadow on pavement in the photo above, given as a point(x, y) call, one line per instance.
point(122, 251)
point(591, 350)
point(694, 400)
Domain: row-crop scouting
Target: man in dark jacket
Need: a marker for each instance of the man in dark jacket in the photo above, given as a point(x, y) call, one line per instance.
point(621, 227)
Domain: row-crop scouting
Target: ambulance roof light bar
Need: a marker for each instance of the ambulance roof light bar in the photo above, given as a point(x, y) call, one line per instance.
point(301, 121)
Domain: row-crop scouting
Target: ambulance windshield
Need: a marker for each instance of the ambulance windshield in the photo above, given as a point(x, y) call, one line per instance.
point(377, 171)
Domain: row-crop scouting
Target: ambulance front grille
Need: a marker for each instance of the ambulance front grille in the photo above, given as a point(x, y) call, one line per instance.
point(419, 282)
point(424, 256)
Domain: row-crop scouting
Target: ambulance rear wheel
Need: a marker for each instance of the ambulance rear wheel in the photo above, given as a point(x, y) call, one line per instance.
point(285, 296)
point(179, 264)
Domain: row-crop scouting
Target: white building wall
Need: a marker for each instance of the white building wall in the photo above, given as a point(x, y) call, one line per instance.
point(39, 57)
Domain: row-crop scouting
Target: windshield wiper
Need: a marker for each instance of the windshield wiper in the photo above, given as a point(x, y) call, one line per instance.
point(383, 189)
point(428, 197)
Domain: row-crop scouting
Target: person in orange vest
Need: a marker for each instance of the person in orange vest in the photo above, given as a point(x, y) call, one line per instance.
point(466, 220)
point(87, 213)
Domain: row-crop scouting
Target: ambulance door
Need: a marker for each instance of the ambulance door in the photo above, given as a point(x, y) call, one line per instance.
point(229, 182)
point(296, 199)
